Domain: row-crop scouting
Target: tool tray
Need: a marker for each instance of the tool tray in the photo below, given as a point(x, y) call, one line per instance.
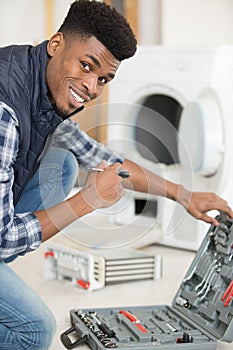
point(201, 312)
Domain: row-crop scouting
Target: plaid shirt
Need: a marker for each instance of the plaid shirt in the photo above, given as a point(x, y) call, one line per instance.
point(21, 233)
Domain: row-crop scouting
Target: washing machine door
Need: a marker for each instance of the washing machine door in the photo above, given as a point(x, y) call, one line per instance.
point(201, 134)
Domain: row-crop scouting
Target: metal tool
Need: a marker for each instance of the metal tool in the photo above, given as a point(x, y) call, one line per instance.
point(183, 302)
point(167, 321)
point(231, 254)
point(195, 266)
point(122, 172)
point(102, 326)
point(172, 329)
point(209, 286)
point(208, 271)
point(210, 277)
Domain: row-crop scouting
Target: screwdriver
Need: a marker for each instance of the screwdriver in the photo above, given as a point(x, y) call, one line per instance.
point(122, 172)
point(134, 319)
point(102, 326)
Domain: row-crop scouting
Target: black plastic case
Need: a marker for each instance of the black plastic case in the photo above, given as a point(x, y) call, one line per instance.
point(201, 311)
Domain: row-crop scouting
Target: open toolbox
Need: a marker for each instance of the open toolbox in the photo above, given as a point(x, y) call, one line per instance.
point(201, 312)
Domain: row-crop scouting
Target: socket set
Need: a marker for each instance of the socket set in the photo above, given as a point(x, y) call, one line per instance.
point(94, 269)
point(201, 312)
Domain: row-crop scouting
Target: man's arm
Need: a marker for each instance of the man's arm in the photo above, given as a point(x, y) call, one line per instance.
point(18, 233)
point(88, 152)
point(105, 188)
point(22, 233)
point(101, 190)
point(196, 203)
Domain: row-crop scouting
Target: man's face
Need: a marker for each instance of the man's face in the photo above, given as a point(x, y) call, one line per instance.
point(77, 71)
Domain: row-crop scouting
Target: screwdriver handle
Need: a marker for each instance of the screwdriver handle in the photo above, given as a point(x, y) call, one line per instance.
point(106, 330)
point(124, 173)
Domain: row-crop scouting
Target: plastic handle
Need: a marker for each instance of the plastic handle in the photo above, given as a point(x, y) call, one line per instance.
point(140, 327)
point(104, 328)
point(128, 315)
point(228, 291)
point(46, 254)
point(67, 342)
point(124, 173)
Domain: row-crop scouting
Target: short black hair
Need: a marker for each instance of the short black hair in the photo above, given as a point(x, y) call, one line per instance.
point(88, 18)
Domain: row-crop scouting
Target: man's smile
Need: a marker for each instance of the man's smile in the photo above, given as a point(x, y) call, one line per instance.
point(77, 97)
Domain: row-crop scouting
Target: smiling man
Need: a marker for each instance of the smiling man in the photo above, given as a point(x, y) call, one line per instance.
point(42, 149)
point(78, 71)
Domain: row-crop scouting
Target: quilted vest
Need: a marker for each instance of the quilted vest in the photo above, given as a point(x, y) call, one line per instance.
point(23, 88)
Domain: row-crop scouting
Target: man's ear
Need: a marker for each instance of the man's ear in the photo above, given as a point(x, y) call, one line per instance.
point(55, 43)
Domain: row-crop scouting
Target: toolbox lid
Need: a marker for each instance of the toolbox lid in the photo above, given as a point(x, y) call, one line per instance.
point(205, 296)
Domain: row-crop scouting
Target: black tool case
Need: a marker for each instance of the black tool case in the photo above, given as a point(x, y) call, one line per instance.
point(201, 311)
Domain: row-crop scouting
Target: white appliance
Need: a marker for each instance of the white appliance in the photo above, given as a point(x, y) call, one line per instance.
point(171, 110)
point(92, 269)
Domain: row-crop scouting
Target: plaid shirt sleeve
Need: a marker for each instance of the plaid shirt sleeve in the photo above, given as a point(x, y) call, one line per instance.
point(89, 153)
point(20, 233)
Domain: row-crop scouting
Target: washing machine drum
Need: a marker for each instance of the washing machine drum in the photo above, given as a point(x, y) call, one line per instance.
point(200, 140)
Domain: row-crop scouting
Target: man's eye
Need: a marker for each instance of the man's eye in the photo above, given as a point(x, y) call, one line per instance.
point(102, 80)
point(86, 66)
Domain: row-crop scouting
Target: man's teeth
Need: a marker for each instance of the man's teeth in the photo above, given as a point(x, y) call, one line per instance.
point(77, 97)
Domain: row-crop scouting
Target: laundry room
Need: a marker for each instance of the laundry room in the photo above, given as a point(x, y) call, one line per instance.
point(116, 169)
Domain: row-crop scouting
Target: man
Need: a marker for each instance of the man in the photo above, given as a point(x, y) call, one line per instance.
point(40, 88)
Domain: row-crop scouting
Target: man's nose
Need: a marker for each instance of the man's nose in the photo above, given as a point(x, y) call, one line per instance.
point(91, 84)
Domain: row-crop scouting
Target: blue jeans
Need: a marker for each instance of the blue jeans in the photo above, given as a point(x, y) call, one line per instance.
point(25, 321)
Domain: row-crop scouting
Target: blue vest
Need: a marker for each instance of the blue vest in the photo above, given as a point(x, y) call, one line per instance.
point(23, 88)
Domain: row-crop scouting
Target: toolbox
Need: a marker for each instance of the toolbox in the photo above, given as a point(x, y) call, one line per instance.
point(93, 269)
point(201, 312)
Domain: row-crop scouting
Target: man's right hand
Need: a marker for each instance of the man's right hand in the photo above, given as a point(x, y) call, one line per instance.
point(104, 188)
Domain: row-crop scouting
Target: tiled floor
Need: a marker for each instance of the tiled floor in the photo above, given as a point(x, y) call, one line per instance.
point(61, 298)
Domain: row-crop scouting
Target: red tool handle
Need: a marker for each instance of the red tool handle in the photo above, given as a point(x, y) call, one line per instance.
point(133, 319)
point(142, 329)
point(228, 290)
point(229, 299)
point(128, 315)
point(228, 294)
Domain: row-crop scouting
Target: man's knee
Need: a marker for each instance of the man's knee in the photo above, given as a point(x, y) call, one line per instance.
point(34, 333)
point(47, 329)
point(42, 332)
point(71, 167)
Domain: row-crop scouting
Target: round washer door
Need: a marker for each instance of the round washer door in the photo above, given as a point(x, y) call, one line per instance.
point(201, 134)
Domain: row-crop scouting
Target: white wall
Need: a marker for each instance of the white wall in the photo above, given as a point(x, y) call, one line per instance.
point(197, 22)
point(186, 22)
point(61, 9)
point(22, 21)
point(166, 22)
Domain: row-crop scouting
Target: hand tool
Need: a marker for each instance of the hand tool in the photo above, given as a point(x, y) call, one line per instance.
point(223, 228)
point(172, 329)
point(102, 326)
point(221, 238)
point(211, 267)
point(210, 278)
point(195, 266)
point(107, 342)
point(209, 284)
point(183, 302)
point(228, 294)
point(231, 254)
point(122, 172)
point(185, 339)
point(134, 319)
point(166, 320)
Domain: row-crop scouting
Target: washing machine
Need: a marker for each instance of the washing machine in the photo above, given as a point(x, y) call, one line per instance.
point(171, 111)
